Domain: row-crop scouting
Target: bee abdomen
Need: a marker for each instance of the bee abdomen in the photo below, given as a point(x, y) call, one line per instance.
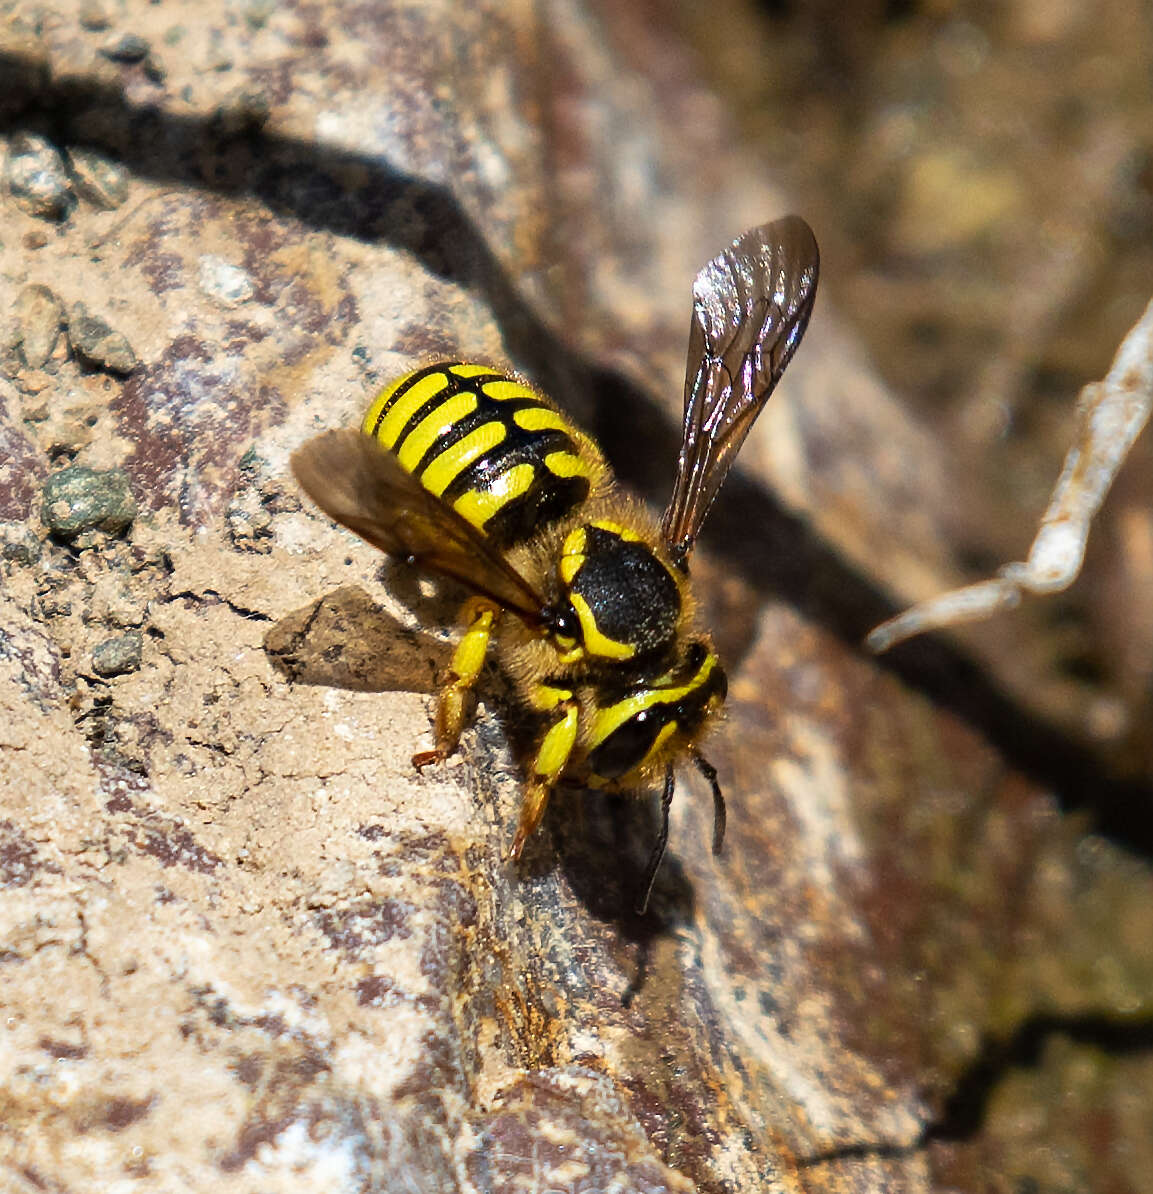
point(499, 454)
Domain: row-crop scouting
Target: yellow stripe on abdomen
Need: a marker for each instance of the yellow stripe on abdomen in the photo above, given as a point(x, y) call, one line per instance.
point(395, 405)
point(505, 388)
point(434, 426)
point(541, 418)
point(479, 505)
point(565, 464)
point(489, 446)
point(443, 469)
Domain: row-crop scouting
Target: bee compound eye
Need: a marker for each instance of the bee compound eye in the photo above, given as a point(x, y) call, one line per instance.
point(628, 745)
point(563, 624)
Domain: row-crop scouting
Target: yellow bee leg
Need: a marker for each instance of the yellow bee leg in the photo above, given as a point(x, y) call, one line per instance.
point(463, 675)
point(552, 757)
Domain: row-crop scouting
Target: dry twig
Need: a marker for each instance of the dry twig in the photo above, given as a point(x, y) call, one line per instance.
point(1112, 413)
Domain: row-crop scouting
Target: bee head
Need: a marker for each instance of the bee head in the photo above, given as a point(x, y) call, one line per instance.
point(631, 731)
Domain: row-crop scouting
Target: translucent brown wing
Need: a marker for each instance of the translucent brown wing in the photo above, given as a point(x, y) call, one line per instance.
point(751, 305)
point(362, 485)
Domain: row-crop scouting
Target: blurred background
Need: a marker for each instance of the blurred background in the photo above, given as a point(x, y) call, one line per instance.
point(982, 176)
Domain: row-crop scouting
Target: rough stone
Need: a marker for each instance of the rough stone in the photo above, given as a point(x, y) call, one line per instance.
point(98, 179)
point(37, 178)
point(38, 315)
point(245, 945)
point(128, 47)
point(78, 499)
point(98, 342)
point(118, 656)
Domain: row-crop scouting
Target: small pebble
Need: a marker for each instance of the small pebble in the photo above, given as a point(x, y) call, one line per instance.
point(21, 547)
point(78, 500)
point(32, 383)
point(37, 178)
point(245, 109)
point(118, 656)
point(38, 314)
point(102, 182)
point(249, 523)
point(228, 284)
point(52, 599)
point(93, 17)
point(130, 47)
point(98, 342)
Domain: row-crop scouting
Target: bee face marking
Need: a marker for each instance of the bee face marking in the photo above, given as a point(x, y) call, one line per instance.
point(633, 730)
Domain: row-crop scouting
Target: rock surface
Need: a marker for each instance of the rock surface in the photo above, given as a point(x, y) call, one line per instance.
point(244, 945)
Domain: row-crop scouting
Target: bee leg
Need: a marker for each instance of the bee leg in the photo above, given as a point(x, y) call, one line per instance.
point(532, 806)
point(661, 843)
point(467, 662)
point(719, 815)
point(552, 757)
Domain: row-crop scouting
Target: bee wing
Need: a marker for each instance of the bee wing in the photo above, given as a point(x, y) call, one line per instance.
point(362, 485)
point(751, 305)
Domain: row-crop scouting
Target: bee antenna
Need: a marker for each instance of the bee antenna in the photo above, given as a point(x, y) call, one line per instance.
point(719, 816)
point(661, 843)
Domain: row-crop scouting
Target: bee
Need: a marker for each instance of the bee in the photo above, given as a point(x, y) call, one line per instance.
point(469, 473)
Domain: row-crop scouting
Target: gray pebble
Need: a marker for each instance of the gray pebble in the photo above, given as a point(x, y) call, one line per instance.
point(228, 284)
point(20, 548)
point(245, 109)
point(77, 500)
point(37, 178)
point(118, 656)
point(98, 342)
point(102, 182)
point(93, 17)
point(130, 47)
point(38, 314)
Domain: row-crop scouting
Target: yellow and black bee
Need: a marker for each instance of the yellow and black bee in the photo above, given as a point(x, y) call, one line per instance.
point(467, 472)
